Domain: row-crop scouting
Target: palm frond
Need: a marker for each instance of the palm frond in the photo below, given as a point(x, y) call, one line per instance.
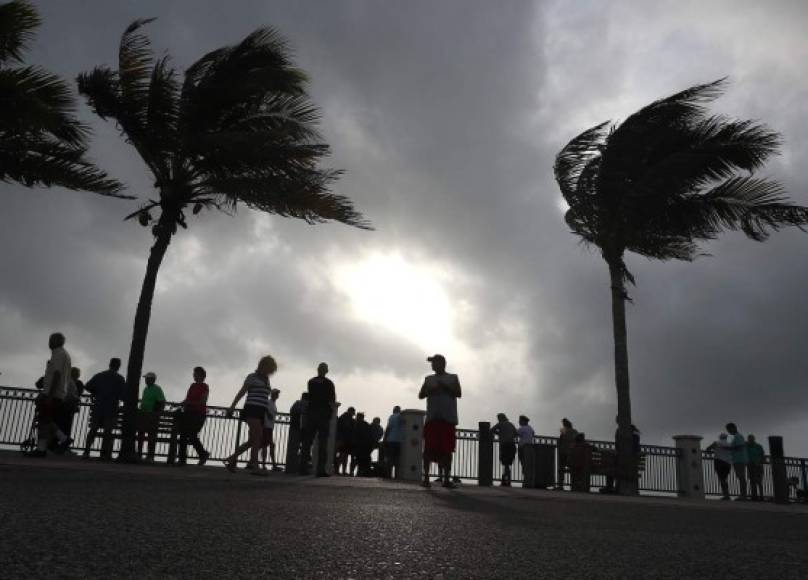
point(135, 63)
point(575, 156)
point(18, 21)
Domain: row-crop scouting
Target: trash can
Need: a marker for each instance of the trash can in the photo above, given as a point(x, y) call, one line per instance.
point(539, 465)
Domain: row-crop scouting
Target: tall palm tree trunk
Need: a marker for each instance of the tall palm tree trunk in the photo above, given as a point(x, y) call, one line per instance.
point(626, 464)
point(139, 333)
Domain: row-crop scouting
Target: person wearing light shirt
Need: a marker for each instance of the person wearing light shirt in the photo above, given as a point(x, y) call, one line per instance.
point(526, 434)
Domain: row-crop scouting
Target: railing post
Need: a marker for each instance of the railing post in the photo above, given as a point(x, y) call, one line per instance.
point(411, 460)
point(804, 474)
point(485, 456)
point(293, 449)
point(689, 472)
point(779, 475)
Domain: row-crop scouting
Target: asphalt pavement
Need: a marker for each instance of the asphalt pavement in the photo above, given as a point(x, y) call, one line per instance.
point(67, 518)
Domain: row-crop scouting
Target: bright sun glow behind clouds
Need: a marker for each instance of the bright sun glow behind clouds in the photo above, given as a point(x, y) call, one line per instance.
point(403, 297)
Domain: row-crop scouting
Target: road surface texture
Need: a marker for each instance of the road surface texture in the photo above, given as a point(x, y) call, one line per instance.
point(66, 518)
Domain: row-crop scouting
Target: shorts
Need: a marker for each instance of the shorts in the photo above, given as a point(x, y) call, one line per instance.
point(439, 440)
point(722, 468)
point(507, 451)
point(253, 412)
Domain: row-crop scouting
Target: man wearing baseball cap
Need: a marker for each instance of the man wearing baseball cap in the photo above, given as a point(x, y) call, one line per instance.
point(151, 404)
point(441, 391)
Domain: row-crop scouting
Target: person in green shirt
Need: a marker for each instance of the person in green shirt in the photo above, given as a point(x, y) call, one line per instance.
point(756, 456)
point(151, 404)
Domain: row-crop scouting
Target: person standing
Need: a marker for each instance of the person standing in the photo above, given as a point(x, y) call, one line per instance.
point(322, 399)
point(191, 417)
point(296, 414)
point(269, 427)
point(362, 446)
point(70, 404)
point(507, 446)
point(151, 405)
point(50, 401)
point(441, 391)
point(566, 441)
point(257, 389)
point(377, 434)
point(739, 458)
point(756, 456)
point(345, 430)
point(526, 435)
point(106, 387)
point(722, 462)
point(393, 438)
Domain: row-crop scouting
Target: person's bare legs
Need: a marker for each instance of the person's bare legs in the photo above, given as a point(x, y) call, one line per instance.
point(427, 467)
point(256, 439)
point(446, 468)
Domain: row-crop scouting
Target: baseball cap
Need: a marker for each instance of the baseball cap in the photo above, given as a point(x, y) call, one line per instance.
point(439, 357)
point(149, 375)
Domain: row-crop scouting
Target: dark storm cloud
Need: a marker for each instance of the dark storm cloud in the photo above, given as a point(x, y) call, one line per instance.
point(447, 116)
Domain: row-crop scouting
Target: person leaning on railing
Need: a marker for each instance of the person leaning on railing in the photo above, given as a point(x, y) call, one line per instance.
point(151, 405)
point(566, 440)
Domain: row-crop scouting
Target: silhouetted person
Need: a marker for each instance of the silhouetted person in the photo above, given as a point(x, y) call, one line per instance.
point(377, 431)
point(50, 401)
point(345, 430)
point(151, 405)
point(393, 437)
point(191, 417)
point(296, 412)
point(70, 404)
point(269, 428)
point(441, 391)
point(566, 440)
point(322, 399)
point(257, 389)
point(107, 387)
point(722, 462)
point(526, 435)
point(507, 446)
point(362, 445)
point(739, 458)
point(757, 457)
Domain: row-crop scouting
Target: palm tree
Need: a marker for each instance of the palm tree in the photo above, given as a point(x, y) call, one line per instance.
point(238, 129)
point(41, 142)
point(666, 179)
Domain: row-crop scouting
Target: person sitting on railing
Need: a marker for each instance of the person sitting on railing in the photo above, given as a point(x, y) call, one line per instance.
point(756, 455)
point(151, 405)
point(191, 417)
point(107, 387)
point(526, 435)
point(506, 432)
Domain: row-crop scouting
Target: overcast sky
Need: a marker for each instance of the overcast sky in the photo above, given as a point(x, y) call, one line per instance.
point(446, 117)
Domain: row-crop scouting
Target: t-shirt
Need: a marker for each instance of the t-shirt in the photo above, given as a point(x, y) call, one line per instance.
point(322, 395)
point(395, 428)
point(739, 453)
point(107, 388)
point(294, 414)
point(505, 430)
point(377, 431)
point(196, 397)
point(257, 391)
point(345, 428)
point(59, 363)
point(269, 418)
point(722, 450)
point(567, 439)
point(526, 434)
point(755, 453)
point(441, 404)
point(152, 394)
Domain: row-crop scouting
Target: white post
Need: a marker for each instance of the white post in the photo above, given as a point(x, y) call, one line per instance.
point(410, 464)
point(689, 474)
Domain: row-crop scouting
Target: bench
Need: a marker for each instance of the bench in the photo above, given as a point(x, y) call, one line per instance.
point(587, 460)
point(166, 431)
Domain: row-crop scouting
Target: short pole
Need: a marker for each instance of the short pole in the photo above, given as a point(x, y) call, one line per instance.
point(779, 475)
point(485, 456)
point(689, 471)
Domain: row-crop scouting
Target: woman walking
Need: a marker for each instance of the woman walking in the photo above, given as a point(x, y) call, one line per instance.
point(256, 406)
point(191, 417)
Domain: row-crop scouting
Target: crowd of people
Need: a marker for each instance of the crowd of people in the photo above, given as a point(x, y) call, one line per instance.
point(310, 422)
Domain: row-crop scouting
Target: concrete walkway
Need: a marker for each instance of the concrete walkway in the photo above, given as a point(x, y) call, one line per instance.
point(74, 518)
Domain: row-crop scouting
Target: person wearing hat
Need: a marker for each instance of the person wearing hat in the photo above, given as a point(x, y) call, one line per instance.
point(151, 404)
point(441, 391)
point(269, 427)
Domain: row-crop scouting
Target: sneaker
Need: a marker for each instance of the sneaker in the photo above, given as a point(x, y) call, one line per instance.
point(203, 458)
point(37, 453)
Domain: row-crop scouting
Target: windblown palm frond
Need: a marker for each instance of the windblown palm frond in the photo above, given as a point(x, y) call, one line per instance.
point(41, 141)
point(239, 129)
point(667, 178)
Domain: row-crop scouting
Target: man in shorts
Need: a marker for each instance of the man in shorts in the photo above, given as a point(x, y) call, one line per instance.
point(441, 391)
